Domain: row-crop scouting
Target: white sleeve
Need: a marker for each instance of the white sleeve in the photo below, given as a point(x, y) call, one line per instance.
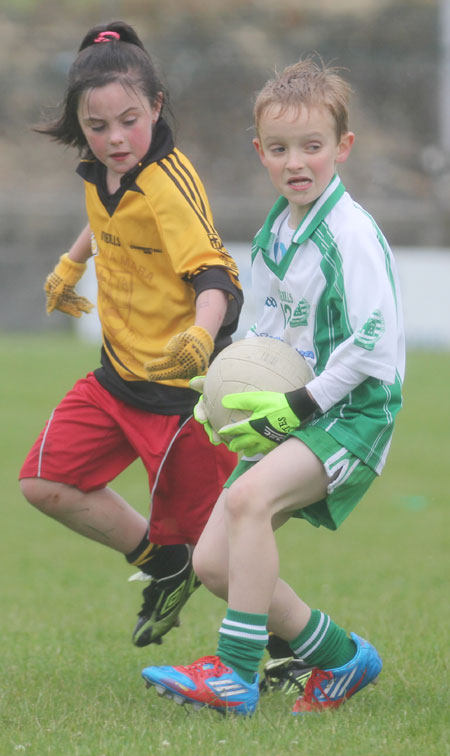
point(373, 315)
point(333, 384)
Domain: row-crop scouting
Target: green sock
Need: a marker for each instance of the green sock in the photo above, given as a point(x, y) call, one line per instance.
point(322, 643)
point(242, 640)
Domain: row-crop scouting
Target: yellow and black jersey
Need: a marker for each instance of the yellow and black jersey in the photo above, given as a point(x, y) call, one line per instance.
point(156, 248)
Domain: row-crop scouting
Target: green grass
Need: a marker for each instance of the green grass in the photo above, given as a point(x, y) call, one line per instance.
point(70, 678)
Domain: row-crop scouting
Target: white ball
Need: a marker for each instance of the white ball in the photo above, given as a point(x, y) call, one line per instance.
point(254, 364)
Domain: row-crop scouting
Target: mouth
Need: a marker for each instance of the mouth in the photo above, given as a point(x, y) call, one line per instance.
point(299, 182)
point(119, 155)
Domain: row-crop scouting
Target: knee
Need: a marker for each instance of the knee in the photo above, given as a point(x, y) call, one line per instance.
point(42, 494)
point(244, 500)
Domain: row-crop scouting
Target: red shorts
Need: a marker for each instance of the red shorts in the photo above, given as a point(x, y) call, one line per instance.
point(91, 437)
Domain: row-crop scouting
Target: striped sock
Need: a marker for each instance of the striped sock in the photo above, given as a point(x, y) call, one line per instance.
point(322, 643)
point(242, 640)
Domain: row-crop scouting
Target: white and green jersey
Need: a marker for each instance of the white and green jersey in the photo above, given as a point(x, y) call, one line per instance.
point(333, 294)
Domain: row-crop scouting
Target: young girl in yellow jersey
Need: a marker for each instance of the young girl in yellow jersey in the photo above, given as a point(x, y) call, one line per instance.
point(169, 298)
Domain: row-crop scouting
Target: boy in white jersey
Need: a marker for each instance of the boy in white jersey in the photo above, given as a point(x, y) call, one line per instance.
point(327, 285)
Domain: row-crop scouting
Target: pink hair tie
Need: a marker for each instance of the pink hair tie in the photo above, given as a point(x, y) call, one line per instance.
point(107, 36)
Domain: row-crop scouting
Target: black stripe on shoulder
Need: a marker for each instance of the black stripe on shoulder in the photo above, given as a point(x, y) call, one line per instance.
point(180, 182)
point(188, 178)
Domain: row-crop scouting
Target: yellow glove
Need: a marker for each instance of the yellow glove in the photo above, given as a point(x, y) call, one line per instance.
point(59, 288)
point(188, 355)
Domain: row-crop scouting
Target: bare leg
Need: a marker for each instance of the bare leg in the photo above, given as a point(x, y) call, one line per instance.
point(237, 556)
point(288, 478)
point(101, 515)
point(288, 614)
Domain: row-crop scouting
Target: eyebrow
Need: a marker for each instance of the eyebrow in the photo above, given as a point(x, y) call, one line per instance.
point(278, 137)
point(314, 135)
point(90, 118)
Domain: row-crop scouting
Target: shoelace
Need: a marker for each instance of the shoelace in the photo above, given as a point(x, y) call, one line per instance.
point(218, 668)
point(318, 676)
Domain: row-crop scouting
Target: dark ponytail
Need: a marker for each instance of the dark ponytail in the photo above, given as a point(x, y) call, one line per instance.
point(125, 31)
point(108, 53)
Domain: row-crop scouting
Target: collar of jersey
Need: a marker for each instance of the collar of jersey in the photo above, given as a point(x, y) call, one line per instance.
point(266, 237)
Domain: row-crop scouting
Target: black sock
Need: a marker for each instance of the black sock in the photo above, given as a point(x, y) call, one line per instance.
point(157, 560)
point(278, 648)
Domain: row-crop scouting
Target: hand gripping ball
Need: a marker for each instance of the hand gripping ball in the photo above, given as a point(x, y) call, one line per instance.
point(254, 364)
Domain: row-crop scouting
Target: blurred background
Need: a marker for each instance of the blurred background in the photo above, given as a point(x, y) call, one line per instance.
point(214, 55)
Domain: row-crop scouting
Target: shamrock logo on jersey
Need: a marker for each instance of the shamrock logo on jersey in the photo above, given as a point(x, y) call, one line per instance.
point(301, 314)
point(371, 331)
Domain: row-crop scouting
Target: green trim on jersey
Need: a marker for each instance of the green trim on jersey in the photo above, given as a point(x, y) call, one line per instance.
point(266, 237)
point(332, 326)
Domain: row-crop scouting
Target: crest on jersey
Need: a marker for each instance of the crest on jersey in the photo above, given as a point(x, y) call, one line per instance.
point(301, 314)
point(371, 331)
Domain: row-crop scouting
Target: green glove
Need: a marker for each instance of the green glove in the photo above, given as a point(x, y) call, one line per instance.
point(197, 384)
point(271, 420)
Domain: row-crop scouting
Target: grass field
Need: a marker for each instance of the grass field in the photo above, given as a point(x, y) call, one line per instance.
point(70, 678)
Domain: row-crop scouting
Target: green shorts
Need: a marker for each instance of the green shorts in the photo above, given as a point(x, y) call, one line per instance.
point(351, 478)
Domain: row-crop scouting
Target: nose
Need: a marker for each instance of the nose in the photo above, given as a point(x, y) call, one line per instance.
point(115, 136)
point(294, 160)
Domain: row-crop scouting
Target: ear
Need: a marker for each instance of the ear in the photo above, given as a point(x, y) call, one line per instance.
point(258, 147)
point(345, 147)
point(157, 106)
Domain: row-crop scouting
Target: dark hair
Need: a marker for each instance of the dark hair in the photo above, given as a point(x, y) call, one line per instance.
point(102, 59)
